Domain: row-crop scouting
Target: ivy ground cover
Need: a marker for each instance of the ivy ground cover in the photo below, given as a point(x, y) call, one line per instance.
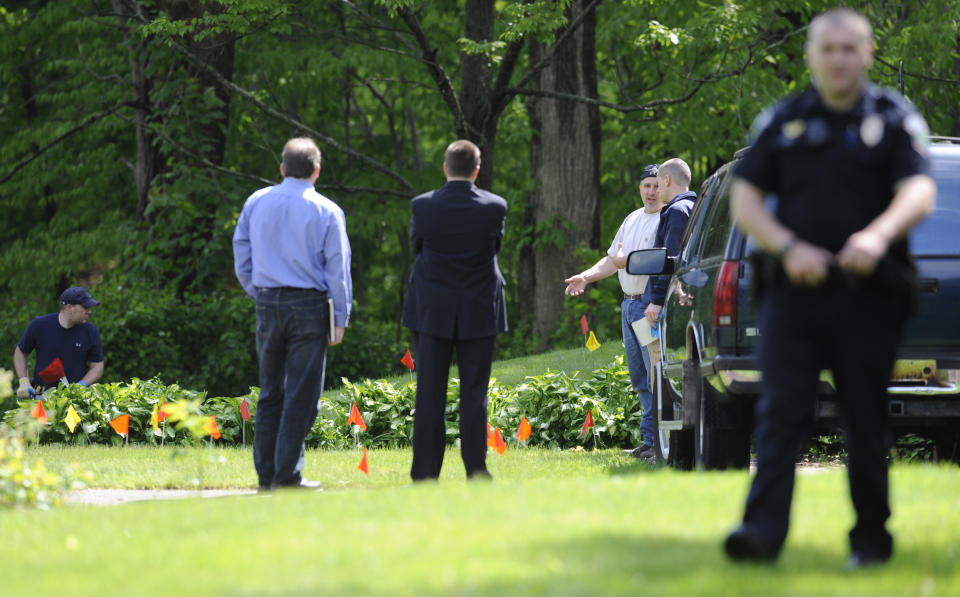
point(552, 523)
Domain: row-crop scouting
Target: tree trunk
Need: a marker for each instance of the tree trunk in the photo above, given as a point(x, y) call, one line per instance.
point(480, 124)
point(565, 159)
point(216, 50)
point(146, 165)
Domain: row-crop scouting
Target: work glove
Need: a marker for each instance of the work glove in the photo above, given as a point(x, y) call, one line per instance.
point(24, 391)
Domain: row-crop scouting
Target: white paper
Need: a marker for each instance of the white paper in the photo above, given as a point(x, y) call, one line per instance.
point(644, 331)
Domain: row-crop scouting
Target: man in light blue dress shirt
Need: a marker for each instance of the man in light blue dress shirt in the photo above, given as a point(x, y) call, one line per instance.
point(291, 253)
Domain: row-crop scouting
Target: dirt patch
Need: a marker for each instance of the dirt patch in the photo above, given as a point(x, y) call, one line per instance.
point(112, 497)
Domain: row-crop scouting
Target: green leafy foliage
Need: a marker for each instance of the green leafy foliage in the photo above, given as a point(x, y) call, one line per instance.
point(26, 482)
point(555, 403)
point(684, 80)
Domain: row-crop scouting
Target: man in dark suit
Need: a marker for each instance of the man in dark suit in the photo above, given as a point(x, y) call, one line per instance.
point(455, 299)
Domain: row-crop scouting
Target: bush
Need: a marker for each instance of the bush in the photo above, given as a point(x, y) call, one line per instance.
point(554, 403)
point(24, 483)
point(368, 350)
point(197, 341)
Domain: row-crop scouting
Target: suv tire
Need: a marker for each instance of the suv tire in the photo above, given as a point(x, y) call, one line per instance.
point(721, 437)
point(947, 445)
point(725, 428)
point(675, 447)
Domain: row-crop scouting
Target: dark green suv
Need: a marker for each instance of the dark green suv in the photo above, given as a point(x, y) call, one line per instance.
point(708, 378)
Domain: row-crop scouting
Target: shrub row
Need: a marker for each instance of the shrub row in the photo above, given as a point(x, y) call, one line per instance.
point(555, 403)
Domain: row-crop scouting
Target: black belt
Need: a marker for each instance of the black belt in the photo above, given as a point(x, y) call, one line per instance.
point(633, 297)
point(287, 289)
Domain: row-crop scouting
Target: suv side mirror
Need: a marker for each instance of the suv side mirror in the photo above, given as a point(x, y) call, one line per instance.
point(650, 262)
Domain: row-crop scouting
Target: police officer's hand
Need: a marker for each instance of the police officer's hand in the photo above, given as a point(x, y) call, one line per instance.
point(24, 391)
point(862, 251)
point(806, 264)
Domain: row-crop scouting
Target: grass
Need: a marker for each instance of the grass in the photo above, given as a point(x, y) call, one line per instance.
point(513, 371)
point(553, 523)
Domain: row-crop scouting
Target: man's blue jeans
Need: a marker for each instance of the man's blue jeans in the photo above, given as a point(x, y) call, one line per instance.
point(638, 362)
point(291, 350)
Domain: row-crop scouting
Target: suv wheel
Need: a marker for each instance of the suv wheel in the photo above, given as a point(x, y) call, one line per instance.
point(674, 447)
point(947, 445)
point(723, 432)
point(721, 436)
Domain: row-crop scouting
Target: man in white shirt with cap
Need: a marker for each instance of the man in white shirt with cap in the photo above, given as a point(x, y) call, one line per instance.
point(638, 231)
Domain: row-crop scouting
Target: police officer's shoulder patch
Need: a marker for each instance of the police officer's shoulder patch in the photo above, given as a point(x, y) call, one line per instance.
point(760, 123)
point(901, 113)
point(916, 127)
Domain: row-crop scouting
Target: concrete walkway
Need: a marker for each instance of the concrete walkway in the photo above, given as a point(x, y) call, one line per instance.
point(112, 497)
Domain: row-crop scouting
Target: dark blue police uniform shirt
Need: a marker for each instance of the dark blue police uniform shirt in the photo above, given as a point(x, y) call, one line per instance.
point(835, 172)
point(75, 346)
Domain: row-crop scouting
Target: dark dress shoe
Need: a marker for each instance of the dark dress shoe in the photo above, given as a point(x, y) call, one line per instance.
point(746, 545)
point(643, 452)
point(859, 561)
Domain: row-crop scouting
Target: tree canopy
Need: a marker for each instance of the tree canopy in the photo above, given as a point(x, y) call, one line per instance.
point(133, 130)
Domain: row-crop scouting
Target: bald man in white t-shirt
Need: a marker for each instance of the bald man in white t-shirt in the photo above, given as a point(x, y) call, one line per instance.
point(638, 231)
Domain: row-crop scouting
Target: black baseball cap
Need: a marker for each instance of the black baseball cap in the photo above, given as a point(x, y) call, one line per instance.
point(78, 295)
point(649, 171)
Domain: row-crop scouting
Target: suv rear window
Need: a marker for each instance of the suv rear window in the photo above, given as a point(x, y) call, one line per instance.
point(939, 234)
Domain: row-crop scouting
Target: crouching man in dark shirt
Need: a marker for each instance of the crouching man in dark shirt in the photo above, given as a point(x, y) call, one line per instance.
point(68, 347)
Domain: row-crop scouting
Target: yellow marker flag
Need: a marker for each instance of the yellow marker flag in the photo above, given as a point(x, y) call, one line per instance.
point(154, 418)
point(72, 418)
point(592, 343)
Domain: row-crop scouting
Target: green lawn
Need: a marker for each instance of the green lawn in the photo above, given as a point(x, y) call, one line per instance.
point(512, 371)
point(570, 523)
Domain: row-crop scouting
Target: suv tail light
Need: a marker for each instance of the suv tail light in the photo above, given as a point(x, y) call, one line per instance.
point(725, 295)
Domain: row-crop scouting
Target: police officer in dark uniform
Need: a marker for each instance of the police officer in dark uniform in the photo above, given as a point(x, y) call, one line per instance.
point(847, 163)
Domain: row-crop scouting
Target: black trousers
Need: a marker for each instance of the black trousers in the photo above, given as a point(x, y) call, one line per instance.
point(434, 354)
point(855, 334)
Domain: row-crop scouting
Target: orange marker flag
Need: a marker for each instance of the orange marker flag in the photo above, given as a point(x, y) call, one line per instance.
point(524, 431)
point(211, 427)
point(491, 443)
point(121, 425)
point(363, 463)
point(244, 410)
point(407, 360)
point(355, 418)
point(161, 413)
point(587, 423)
point(583, 324)
point(39, 413)
point(499, 445)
